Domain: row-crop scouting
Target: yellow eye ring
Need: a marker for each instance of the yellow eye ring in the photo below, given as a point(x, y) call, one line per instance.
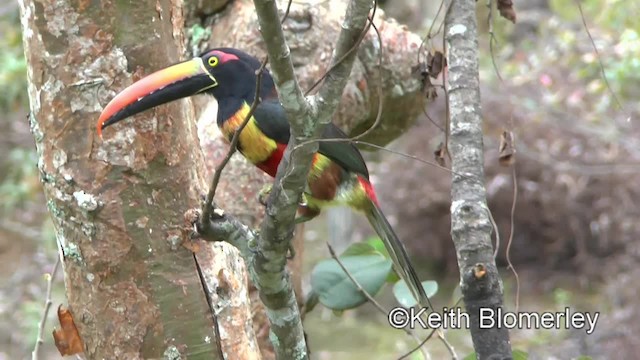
point(213, 61)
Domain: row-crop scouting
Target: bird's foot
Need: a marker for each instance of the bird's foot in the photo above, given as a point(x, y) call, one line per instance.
point(263, 195)
point(306, 213)
point(302, 219)
point(291, 253)
point(253, 245)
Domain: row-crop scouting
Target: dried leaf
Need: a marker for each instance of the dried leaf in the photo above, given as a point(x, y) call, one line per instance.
point(421, 70)
point(505, 7)
point(440, 154)
point(507, 150)
point(67, 339)
point(435, 64)
point(429, 90)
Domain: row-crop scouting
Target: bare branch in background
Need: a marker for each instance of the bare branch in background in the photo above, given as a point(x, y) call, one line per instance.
point(45, 312)
point(470, 224)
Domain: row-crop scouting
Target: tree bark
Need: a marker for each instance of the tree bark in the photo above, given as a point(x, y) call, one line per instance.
point(470, 225)
point(118, 204)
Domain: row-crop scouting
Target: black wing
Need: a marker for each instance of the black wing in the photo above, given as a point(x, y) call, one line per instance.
point(344, 153)
point(272, 121)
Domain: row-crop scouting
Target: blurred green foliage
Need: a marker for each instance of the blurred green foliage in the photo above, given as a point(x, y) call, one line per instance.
point(20, 182)
point(611, 15)
point(616, 33)
point(13, 68)
point(560, 63)
point(19, 178)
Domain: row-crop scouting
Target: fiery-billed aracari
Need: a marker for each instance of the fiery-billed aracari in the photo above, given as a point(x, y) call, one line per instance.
point(338, 174)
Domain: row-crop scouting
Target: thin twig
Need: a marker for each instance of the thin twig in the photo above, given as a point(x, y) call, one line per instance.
point(371, 299)
point(45, 313)
point(513, 173)
point(429, 35)
point(382, 148)
point(595, 48)
point(207, 207)
point(492, 39)
point(286, 12)
point(446, 344)
point(356, 283)
point(419, 346)
point(408, 156)
point(352, 49)
point(496, 231)
point(428, 337)
point(424, 111)
point(379, 88)
point(446, 94)
point(510, 241)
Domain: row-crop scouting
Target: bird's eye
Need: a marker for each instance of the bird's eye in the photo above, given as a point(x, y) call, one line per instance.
point(213, 61)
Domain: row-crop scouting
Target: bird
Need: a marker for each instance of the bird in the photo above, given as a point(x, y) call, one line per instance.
point(338, 175)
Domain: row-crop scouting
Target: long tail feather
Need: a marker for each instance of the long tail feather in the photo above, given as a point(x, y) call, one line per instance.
point(398, 253)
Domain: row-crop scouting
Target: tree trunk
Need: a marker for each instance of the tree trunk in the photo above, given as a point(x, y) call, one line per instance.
point(118, 204)
point(470, 225)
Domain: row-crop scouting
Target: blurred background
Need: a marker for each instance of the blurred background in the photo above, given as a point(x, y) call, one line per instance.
point(575, 240)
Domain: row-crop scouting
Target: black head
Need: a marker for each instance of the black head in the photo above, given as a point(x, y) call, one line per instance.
point(235, 72)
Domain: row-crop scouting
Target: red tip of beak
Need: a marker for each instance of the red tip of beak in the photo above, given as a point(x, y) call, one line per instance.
point(100, 122)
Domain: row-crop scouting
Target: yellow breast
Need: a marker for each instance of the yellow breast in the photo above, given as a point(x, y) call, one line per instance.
point(254, 144)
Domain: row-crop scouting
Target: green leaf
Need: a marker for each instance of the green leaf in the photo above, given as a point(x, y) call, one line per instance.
point(516, 355)
point(393, 277)
point(471, 356)
point(359, 249)
point(519, 355)
point(377, 244)
point(335, 289)
point(405, 297)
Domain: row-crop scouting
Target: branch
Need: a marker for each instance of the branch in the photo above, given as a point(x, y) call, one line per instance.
point(267, 266)
point(330, 91)
point(224, 227)
point(45, 313)
point(284, 77)
point(470, 225)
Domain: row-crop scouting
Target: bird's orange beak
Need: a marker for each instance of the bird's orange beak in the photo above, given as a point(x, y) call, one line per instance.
point(172, 83)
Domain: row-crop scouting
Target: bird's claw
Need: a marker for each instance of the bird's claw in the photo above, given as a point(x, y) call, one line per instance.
point(263, 195)
point(195, 233)
point(291, 253)
point(302, 219)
